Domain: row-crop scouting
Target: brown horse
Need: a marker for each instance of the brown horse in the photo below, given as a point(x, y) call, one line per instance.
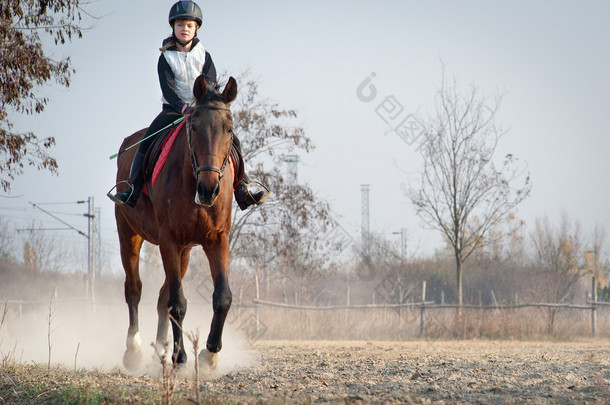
point(190, 205)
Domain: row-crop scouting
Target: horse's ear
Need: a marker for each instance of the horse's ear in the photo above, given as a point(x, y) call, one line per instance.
point(230, 91)
point(200, 88)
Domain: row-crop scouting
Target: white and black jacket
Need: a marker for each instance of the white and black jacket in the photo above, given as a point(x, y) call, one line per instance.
point(178, 71)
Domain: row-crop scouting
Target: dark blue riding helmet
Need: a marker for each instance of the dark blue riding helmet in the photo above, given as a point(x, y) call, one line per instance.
point(185, 10)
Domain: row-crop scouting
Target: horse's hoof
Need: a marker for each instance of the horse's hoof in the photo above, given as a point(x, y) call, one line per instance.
point(208, 360)
point(180, 358)
point(132, 360)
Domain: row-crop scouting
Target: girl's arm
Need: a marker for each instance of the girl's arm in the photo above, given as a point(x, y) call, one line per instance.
point(167, 82)
point(209, 71)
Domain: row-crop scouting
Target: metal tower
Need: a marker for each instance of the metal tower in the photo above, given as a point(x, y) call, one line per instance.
point(292, 161)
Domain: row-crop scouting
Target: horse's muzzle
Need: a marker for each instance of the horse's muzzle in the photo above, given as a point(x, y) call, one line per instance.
point(206, 196)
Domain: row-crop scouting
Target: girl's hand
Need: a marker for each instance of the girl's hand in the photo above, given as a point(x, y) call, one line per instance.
point(186, 109)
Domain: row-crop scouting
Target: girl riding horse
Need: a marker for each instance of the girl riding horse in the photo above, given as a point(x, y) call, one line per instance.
point(183, 58)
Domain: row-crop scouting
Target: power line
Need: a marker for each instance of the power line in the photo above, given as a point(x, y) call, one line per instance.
point(42, 229)
point(59, 219)
point(63, 203)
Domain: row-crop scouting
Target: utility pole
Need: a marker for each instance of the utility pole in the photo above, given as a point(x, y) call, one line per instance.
point(91, 250)
point(98, 241)
point(364, 189)
point(403, 243)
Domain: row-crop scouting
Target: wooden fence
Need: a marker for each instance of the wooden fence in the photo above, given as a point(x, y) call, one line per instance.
point(425, 309)
point(430, 305)
point(424, 306)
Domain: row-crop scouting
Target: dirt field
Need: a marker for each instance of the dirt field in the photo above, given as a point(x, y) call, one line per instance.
point(421, 372)
point(350, 372)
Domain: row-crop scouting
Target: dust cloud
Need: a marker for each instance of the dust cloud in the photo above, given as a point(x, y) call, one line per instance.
point(86, 335)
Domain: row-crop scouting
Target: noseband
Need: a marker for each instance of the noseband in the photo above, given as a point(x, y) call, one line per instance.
point(206, 168)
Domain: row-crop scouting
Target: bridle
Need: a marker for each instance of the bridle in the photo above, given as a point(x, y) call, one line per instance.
point(206, 168)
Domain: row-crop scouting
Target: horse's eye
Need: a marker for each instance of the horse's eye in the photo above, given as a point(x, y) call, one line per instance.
point(230, 130)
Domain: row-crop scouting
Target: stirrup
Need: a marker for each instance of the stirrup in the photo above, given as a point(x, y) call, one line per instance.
point(112, 196)
point(250, 200)
point(265, 195)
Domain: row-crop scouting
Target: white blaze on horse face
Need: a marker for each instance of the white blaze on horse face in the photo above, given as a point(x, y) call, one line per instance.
point(134, 343)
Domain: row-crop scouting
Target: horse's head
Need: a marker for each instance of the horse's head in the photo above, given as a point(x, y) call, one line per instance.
point(210, 134)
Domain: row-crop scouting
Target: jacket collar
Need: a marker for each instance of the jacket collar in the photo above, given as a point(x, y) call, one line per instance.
point(174, 47)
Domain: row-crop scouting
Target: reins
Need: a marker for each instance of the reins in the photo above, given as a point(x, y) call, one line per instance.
point(207, 167)
point(177, 121)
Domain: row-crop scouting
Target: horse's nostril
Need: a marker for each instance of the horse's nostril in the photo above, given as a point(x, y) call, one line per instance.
point(208, 194)
point(200, 189)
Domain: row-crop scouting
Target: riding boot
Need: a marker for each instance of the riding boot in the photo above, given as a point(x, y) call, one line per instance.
point(245, 197)
point(136, 181)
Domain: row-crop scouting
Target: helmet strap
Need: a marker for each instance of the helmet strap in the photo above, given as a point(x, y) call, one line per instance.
point(184, 44)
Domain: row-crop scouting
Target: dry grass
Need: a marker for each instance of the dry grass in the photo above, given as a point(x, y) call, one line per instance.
point(32, 384)
point(392, 324)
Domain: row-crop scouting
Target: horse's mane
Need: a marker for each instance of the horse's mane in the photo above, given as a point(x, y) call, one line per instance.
point(213, 94)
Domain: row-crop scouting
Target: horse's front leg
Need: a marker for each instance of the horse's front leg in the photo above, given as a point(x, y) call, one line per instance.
point(218, 257)
point(176, 301)
point(130, 244)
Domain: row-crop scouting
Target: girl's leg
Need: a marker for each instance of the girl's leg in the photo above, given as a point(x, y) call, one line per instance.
point(136, 180)
point(243, 195)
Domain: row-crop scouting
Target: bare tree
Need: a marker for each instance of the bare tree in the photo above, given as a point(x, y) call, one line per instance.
point(463, 193)
point(24, 66)
point(558, 261)
point(593, 256)
point(48, 252)
point(382, 265)
point(284, 232)
point(558, 258)
point(7, 241)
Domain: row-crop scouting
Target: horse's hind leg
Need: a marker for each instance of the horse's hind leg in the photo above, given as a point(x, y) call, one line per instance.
point(130, 244)
point(163, 305)
point(218, 257)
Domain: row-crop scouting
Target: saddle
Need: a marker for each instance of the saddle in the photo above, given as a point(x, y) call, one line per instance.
point(157, 154)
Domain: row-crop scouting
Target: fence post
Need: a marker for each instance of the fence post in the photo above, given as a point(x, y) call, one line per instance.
point(593, 307)
point(421, 309)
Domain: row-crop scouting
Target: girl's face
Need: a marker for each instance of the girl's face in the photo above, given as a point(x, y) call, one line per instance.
point(185, 30)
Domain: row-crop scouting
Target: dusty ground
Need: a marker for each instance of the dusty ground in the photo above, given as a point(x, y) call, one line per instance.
point(420, 372)
point(465, 372)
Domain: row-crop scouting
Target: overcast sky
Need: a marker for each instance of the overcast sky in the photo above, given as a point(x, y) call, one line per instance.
point(550, 59)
